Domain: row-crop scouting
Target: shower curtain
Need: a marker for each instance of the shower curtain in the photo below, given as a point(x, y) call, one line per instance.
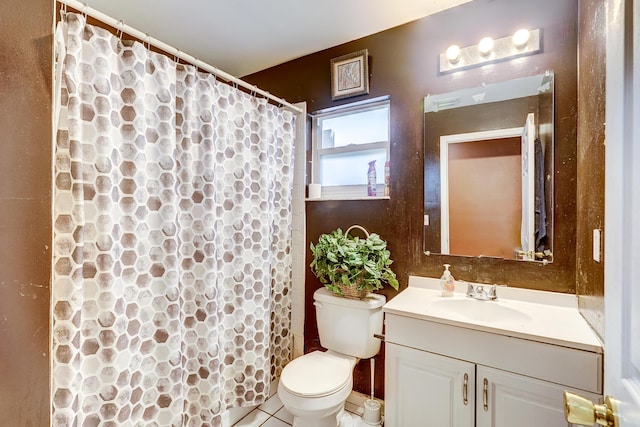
point(172, 224)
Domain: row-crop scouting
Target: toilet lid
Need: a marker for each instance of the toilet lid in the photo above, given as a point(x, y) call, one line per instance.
point(316, 374)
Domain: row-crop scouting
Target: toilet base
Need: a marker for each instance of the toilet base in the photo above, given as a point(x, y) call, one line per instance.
point(330, 420)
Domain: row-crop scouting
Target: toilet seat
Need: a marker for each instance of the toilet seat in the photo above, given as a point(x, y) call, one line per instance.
point(317, 374)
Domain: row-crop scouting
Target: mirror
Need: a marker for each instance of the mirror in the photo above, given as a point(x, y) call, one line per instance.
point(488, 170)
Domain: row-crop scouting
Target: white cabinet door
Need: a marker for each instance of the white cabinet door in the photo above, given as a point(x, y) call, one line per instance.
point(425, 389)
point(506, 400)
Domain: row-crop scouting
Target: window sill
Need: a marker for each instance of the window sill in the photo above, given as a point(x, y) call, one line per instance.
point(334, 198)
point(348, 192)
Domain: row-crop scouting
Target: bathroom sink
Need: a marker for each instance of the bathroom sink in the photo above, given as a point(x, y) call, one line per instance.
point(521, 313)
point(482, 311)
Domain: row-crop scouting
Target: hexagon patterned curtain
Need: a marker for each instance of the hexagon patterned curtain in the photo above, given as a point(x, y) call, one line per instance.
point(172, 224)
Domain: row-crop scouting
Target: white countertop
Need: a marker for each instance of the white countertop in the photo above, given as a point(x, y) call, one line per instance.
point(547, 317)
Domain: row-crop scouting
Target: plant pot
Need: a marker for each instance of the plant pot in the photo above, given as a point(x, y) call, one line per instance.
point(352, 292)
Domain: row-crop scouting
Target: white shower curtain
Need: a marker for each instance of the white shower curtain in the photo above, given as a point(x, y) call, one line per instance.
point(172, 235)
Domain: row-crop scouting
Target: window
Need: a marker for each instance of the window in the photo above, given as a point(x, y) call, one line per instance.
point(344, 142)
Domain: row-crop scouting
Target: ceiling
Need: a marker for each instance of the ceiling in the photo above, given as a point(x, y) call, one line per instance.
point(245, 36)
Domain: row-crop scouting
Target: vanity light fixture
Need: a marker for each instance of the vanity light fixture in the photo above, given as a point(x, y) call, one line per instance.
point(522, 42)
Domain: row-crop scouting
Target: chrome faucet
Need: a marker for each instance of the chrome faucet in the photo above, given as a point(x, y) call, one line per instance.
point(482, 292)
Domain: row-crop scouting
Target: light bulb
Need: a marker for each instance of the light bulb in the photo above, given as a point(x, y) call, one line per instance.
point(453, 53)
point(520, 38)
point(485, 46)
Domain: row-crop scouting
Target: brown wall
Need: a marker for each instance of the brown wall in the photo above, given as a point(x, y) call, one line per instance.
point(403, 64)
point(25, 213)
point(591, 149)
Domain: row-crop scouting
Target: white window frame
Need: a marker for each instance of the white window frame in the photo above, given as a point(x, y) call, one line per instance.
point(347, 191)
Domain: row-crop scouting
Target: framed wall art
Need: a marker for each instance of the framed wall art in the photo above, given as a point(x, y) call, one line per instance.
point(350, 75)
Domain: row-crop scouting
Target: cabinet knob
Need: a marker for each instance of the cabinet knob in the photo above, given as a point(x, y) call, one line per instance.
point(581, 411)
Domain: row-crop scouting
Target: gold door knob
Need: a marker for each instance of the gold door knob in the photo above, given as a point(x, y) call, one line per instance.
point(581, 411)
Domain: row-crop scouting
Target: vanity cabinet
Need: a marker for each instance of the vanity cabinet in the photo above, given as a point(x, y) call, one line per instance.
point(442, 375)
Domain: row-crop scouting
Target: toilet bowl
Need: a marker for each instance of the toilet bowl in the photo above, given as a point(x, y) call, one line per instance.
point(315, 387)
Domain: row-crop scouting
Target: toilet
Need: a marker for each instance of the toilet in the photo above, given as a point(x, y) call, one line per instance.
point(315, 387)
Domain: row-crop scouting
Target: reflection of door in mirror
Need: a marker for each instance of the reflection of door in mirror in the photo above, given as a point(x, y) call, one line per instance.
point(528, 228)
point(481, 175)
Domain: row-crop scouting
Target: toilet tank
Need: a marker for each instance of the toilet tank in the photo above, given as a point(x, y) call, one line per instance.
point(347, 325)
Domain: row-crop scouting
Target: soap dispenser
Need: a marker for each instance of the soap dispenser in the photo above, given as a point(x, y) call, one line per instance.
point(447, 282)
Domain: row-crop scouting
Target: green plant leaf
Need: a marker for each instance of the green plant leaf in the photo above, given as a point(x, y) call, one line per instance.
point(352, 261)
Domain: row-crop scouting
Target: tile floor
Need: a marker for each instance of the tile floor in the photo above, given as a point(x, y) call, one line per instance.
point(270, 414)
point(273, 414)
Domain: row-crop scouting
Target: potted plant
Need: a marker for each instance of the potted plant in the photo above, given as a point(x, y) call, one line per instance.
point(350, 266)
